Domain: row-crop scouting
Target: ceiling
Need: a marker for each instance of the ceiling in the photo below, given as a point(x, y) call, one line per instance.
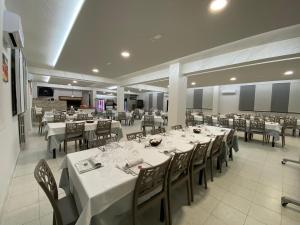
point(104, 28)
point(247, 74)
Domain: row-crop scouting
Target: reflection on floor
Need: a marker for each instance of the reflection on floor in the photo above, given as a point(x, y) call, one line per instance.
point(248, 192)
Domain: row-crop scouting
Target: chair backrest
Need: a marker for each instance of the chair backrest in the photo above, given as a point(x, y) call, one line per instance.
point(290, 123)
point(59, 118)
point(74, 129)
point(46, 180)
point(158, 113)
point(199, 154)
point(96, 143)
point(258, 125)
point(239, 124)
point(150, 179)
point(121, 116)
point(135, 135)
point(224, 122)
point(82, 116)
point(103, 128)
point(158, 131)
point(176, 127)
point(216, 146)
point(190, 120)
point(208, 120)
point(148, 120)
point(230, 136)
point(179, 166)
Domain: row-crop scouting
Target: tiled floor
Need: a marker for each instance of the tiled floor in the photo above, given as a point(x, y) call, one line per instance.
point(248, 192)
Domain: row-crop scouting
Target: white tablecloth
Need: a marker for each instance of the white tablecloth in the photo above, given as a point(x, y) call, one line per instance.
point(157, 120)
point(99, 189)
point(59, 128)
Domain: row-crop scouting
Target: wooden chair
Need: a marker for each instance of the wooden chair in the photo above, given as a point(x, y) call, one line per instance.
point(208, 120)
point(109, 114)
point(158, 113)
point(151, 187)
point(74, 132)
point(190, 120)
point(215, 153)
point(159, 130)
point(257, 127)
point(122, 116)
point(176, 127)
point(96, 143)
point(291, 123)
point(198, 165)
point(148, 122)
point(57, 118)
point(135, 135)
point(178, 175)
point(241, 125)
point(81, 117)
point(229, 142)
point(224, 122)
point(103, 129)
point(64, 209)
point(39, 119)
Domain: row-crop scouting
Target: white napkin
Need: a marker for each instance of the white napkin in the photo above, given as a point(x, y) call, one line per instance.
point(168, 150)
point(130, 163)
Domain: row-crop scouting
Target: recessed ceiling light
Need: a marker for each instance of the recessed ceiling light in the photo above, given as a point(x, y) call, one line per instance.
point(289, 72)
point(233, 78)
point(95, 70)
point(217, 5)
point(193, 83)
point(112, 87)
point(75, 81)
point(125, 54)
point(69, 84)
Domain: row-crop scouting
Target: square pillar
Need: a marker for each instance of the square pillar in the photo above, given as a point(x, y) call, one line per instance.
point(120, 99)
point(177, 95)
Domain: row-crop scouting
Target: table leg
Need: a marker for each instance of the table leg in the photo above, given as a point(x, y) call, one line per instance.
point(246, 136)
point(273, 141)
point(54, 153)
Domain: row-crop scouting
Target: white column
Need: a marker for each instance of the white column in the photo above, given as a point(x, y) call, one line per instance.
point(120, 99)
point(216, 99)
point(93, 98)
point(177, 95)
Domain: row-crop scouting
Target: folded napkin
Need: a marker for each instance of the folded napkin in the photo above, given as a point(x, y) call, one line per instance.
point(88, 164)
point(130, 163)
point(168, 150)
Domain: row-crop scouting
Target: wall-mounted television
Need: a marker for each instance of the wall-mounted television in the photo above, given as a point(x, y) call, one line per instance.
point(45, 92)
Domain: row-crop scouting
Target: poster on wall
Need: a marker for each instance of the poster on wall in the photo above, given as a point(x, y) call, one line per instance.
point(4, 68)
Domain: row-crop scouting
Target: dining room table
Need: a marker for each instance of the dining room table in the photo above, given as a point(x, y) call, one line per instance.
point(55, 132)
point(158, 121)
point(104, 195)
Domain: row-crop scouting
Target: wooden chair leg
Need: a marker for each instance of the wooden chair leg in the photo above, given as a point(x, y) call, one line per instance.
point(200, 177)
point(167, 212)
point(192, 185)
point(54, 219)
point(188, 190)
point(211, 169)
point(75, 145)
point(162, 210)
point(205, 179)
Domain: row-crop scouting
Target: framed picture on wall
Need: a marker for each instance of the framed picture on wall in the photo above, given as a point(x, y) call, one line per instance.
point(4, 68)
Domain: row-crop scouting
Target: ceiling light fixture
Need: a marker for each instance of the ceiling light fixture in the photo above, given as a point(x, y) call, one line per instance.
point(112, 87)
point(75, 81)
point(193, 83)
point(125, 54)
point(289, 72)
point(95, 70)
point(217, 5)
point(233, 78)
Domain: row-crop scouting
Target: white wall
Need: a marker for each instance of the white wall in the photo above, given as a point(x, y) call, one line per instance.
point(229, 103)
point(58, 92)
point(9, 136)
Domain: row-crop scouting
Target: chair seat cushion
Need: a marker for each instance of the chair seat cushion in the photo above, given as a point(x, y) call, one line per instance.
point(68, 209)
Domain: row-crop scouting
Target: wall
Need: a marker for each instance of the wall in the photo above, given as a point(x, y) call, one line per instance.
point(145, 98)
point(263, 92)
point(9, 137)
point(207, 98)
